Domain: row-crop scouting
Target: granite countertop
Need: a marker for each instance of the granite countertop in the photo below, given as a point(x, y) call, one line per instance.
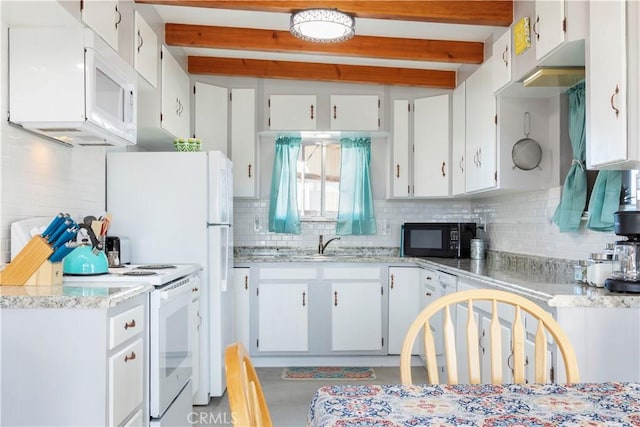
point(544, 280)
point(65, 296)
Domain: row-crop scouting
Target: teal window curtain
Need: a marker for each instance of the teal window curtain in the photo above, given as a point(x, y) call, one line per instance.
point(355, 210)
point(605, 200)
point(574, 193)
point(283, 203)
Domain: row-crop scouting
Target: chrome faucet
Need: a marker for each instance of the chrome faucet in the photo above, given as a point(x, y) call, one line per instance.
point(322, 247)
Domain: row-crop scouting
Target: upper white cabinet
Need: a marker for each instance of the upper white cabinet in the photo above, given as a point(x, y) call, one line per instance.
point(400, 186)
point(548, 26)
point(104, 17)
point(211, 117)
point(480, 150)
point(502, 61)
point(355, 112)
point(557, 24)
point(612, 86)
point(175, 99)
point(458, 135)
point(146, 50)
point(431, 142)
point(243, 142)
point(292, 112)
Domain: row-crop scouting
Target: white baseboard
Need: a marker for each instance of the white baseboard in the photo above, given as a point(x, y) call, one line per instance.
point(368, 361)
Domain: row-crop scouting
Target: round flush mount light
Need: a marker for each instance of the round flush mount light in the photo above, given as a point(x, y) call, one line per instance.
point(322, 25)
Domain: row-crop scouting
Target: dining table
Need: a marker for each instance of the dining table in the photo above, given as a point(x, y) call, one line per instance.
point(581, 404)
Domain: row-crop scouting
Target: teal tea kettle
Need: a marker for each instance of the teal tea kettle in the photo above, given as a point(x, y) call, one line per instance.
point(88, 258)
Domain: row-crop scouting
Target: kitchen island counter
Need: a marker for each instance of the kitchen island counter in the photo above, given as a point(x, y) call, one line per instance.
point(539, 282)
point(65, 296)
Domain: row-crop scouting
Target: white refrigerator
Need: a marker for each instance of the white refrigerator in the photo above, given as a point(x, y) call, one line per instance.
point(177, 207)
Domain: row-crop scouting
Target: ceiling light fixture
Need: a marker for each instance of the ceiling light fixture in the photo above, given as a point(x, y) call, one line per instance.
point(322, 25)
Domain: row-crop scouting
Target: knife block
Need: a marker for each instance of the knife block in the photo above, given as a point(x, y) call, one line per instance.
point(28, 261)
point(49, 274)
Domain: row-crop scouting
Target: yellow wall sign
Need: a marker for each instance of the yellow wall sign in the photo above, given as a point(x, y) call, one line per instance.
point(521, 35)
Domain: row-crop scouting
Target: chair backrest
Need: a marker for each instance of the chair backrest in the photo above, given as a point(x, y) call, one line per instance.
point(246, 400)
point(468, 335)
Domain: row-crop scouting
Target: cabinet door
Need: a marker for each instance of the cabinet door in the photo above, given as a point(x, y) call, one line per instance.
point(462, 317)
point(126, 381)
point(458, 120)
point(243, 142)
point(548, 26)
point(607, 84)
point(502, 61)
point(211, 117)
point(283, 317)
point(175, 97)
point(480, 130)
point(404, 304)
point(145, 56)
point(355, 112)
point(292, 112)
point(486, 353)
point(356, 316)
point(431, 147)
point(103, 17)
point(241, 292)
point(400, 172)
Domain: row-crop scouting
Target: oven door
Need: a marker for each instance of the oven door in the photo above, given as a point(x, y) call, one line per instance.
point(170, 355)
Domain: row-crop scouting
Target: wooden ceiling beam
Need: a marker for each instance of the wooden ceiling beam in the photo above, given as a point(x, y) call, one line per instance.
point(471, 12)
point(359, 46)
point(321, 72)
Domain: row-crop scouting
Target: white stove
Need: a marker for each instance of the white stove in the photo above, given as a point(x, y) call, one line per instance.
point(154, 274)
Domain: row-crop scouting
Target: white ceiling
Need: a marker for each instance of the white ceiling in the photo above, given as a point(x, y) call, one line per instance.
point(368, 27)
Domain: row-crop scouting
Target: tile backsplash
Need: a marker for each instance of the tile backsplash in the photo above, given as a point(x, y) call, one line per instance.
point(515, 223)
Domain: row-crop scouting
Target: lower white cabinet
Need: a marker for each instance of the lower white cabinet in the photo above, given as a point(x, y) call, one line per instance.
point(73, 368)
point(404, 304)
point(317, 309)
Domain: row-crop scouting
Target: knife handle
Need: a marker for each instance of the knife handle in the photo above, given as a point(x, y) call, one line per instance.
point(53, 225)
point(61, 252)
point(60, 230)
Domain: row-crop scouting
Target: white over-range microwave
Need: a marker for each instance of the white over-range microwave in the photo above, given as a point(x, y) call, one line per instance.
point(68, 84)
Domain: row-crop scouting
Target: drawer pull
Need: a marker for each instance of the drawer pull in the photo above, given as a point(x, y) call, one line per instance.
point(130, 356)
point(131, 324)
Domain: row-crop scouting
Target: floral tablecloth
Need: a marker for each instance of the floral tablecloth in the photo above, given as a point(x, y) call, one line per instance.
point(597, 404)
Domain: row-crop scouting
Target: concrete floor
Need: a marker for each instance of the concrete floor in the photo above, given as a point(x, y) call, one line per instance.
point(289, 400)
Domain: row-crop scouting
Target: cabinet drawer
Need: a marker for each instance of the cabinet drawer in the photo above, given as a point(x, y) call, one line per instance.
point(351, 273)
point(288, 273)
point(125, 325)
point(126, 382)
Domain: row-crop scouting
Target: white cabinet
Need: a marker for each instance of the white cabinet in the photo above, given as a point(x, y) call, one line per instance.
point(146, 50)
point(501, 61)
point(612, 88)
point(211, 117)
point(356, 316)
point(243, 142)
point(175, 99)
point(75, 355)
point(458, 137)
point(312, 309)
point(195, 323)
point(405, 286)
point(283, 317)
point(241, 292)
point(355, 112)
point(548, 28)
point(292, 112)
point(400, 185)
point(420, 166)
point(431, 142)
point(103, 17)
point(480, 150)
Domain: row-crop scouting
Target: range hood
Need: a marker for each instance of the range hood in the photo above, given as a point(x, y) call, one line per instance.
point(554, 77)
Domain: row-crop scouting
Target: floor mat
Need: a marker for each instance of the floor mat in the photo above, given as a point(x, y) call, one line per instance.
point(328, 373)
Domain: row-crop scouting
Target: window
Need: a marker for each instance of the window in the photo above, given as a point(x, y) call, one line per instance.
point(318, 178)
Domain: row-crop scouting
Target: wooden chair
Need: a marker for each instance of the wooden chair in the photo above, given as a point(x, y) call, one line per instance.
point(490, 298)
point(246, 400)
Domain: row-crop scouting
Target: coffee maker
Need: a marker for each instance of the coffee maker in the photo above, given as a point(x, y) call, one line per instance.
point(626, 258)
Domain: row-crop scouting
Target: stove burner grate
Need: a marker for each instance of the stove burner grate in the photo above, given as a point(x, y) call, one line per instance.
point(155, 266)
point(139, 273)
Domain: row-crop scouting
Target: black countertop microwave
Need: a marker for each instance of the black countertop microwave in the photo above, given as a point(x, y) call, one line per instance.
point(437, 239)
